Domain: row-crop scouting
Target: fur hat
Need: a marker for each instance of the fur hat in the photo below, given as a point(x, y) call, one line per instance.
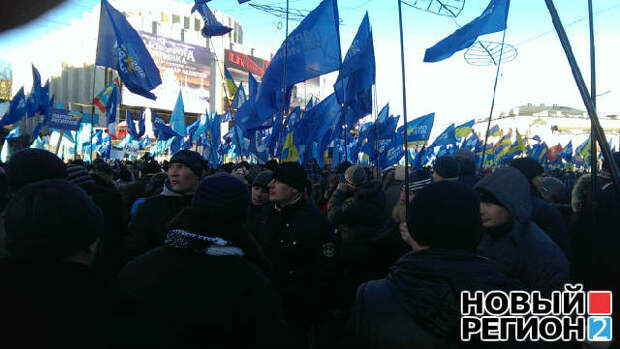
point(291, 173)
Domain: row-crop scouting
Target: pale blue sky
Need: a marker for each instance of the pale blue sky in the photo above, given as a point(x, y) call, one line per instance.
point(453, 89)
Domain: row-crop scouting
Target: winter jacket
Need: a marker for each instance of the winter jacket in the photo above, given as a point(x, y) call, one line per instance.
point(205, 290)
point(525, 252)
point(147, 228)
point(391, 188)
point(303, 250)
point(551, 221)
point(358, 214)
point(418, 304)
point(53, 304)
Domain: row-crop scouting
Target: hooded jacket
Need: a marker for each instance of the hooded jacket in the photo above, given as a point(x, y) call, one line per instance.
point(526, 252)
point(418, 304)
point(147, 227)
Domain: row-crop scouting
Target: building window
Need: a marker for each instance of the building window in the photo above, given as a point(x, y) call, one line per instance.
point(186, 22)
point(182, 34)
point(176, 19)
point(165, 18)
point(197, 25)
point(154, 27)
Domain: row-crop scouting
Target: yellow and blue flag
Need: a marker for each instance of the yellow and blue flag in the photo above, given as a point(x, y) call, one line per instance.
point(463, 130)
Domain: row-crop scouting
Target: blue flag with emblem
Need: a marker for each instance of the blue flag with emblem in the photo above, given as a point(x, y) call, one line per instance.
point(313, 49)
point(131, 126)
point(445, 138)
point(419, 130)
point(567, 151)
point(212, 26)
point(492, 20)
point(463, 130)
point(17, 109)
point(239, 98)
point(121, 48)
point(160, 129)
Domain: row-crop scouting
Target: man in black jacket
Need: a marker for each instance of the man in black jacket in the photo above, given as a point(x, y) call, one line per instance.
point(418, 305)
point(357, 208)
point(302, 248)
point(147, 227)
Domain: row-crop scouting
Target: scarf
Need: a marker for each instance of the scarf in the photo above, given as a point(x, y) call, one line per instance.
point(208, 245)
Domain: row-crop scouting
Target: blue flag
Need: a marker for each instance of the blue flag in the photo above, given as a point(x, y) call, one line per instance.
point(463, 130)
point(212, 26)
point(445, 138)
point(161, 130)
point(419, 130)
point(121, 48)
point(177, 119)
point(131, 126)
point(492, 20)
point(239, 98)
point(34, 99)
point(17, 109)
point(357, 75)
point(567, 152)
point(252, 88)
point(313, 50)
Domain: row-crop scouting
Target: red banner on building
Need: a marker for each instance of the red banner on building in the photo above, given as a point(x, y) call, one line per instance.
point(241, 61)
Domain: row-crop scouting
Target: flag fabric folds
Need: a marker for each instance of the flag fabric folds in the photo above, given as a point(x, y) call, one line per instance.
point(17, 109)
point(239, 98)
point(419, 130)
point(463, 130)
point(313, 49)
point(121, 48)
point(212, 26)
point(492, 20)
point(445, 138)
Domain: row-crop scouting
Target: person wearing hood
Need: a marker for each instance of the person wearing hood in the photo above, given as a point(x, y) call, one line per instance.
point(147, 227)
point(544, 214)
point(512, 238)
point(418, 304)
point(207, 286)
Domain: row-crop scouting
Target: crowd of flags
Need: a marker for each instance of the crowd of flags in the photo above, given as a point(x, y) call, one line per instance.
point(265, 125)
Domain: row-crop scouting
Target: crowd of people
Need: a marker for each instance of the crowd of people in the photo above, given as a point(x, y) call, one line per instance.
point(183, 255)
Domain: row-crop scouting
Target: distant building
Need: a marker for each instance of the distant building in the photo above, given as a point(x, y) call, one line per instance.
point(552, 123)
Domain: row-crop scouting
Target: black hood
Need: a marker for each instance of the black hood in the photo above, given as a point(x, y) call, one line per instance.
point(431, 281)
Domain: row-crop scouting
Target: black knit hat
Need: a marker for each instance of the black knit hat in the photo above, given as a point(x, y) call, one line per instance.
point(191, 159)
point(78, 175)
point(33, 165)
point(445, 215)
point(226, 197)
point(291, 173)
point(51, 219)
point(529, 167)
point(447, 167)
point(262, 179)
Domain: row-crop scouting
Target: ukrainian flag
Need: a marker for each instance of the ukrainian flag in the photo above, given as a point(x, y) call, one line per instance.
point(230, 83)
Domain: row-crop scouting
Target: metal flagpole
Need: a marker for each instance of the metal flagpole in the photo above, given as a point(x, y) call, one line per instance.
point(279, 145)
point(593, 153)
point(402, 67)
point(376, 107)
point(343, 110)
point(92, 101)
point(486, 136)
point(583, 91)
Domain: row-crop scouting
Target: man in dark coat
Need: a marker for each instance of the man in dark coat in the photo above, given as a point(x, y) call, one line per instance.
point(50, 296)
point(206, 287)
point(512, 238)
point(302, 248)
point(147, 229)
point(544, 214)
point(418, 305)
point(356, 208)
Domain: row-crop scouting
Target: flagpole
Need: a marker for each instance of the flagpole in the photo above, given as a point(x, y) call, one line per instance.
point(92, 109)
point(593, 155)
point(279, 145)
point(402, 67)
point(376, 107)
point(486, 136)
point(343, 109)
point(583, 91)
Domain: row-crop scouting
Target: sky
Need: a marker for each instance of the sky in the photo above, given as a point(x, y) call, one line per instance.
point(453, 89)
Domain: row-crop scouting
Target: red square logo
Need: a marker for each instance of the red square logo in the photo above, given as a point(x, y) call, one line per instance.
point(599, 302)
